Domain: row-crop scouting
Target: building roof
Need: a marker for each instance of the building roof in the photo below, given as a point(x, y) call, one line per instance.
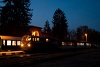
point(10, 37)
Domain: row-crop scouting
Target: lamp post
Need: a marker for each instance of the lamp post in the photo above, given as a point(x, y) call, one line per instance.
point(86, 36)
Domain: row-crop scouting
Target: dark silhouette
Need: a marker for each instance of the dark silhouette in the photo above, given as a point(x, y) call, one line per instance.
point(72, 35)
point(47, 28)
point(14, 16)
point(81, 31)
point(93, 36)
point(60, 26)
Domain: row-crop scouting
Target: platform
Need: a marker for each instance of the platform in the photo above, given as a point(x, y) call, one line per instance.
point(10, 52)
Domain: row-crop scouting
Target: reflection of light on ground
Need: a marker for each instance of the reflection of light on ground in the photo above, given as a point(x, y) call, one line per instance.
point(27, 55)
point(21, 56)
point(11, 52)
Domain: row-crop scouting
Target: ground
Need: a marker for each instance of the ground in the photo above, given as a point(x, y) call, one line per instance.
point(76, 58)
point(91, 58)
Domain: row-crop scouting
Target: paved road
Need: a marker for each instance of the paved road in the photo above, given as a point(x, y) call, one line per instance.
point(81, 58)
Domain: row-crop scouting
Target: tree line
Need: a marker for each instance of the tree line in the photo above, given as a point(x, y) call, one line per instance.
point(59, 28)
point(79, 34)
point(61, 32)
point(15, 16)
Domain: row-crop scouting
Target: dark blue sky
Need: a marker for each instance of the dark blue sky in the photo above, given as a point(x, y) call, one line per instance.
point(77, 12)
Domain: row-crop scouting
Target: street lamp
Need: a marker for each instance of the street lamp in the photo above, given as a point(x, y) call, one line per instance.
point(86, 36)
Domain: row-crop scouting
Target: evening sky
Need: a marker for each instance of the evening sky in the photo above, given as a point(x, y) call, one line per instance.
point(77, 12)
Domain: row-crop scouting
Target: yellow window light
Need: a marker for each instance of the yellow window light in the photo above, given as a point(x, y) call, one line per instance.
point(33, 33)
point(37, 39)
point(63, 43)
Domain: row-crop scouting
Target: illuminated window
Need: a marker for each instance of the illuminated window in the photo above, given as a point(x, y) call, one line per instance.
point(33, 39)
point(63, 43)
point(88, 44)
point(37, 39)
point(3, 42)
point(35, 33)
point(81, 44)
point(18, 43)
point(78, 44)
point(70, 43)
point(8, 42)
point(14, 43)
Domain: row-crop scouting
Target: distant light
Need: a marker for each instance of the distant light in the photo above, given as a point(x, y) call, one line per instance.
point(28, 55)
point(21, 56)
point(63, 43)
point(22, 45)
point(37, 39)
point(29, 45)
point(71, 44)
point(47, 39)
point(85, 34)
point(9, 50)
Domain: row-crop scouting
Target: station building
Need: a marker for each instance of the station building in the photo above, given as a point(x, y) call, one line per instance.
point(9, 42)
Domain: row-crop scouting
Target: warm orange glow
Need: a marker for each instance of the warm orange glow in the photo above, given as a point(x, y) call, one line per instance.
point(63, 43)
point(10, 52)
point(14, 43)
point(10, 38)
point(86, 36)
point(29, 45)
point(70, 43)
point(47, 39)
point(35, 33)
point(29, 39)
point(37, 39)
point(22, 45)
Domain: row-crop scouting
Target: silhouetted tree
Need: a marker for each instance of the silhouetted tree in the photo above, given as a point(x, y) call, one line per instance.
point(81, 30)
point(59, 28)
point(72, 34)
point(47, 28)
point(92, 35)
point(15, 16)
